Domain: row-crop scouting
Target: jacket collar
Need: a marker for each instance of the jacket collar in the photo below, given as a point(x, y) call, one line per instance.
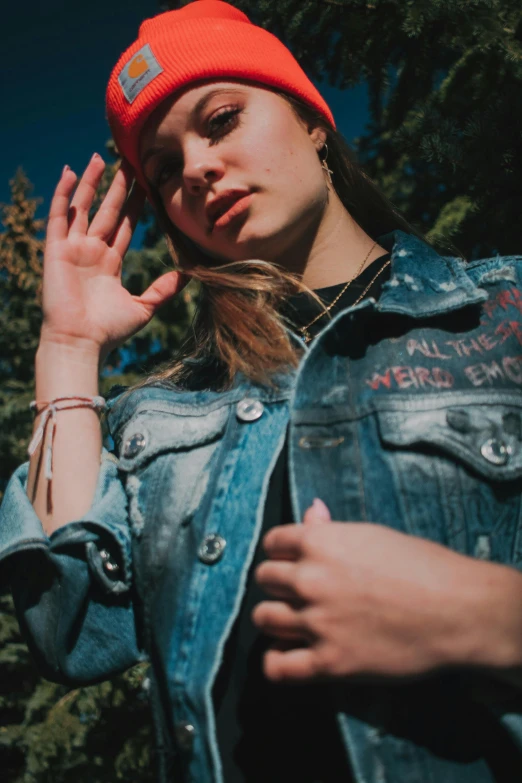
point(422, 282)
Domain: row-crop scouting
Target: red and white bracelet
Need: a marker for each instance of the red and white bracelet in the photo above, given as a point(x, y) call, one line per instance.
point(49, 410)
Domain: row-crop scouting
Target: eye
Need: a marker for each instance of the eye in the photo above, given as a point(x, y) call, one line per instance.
point(222, 122)
point(165, 171)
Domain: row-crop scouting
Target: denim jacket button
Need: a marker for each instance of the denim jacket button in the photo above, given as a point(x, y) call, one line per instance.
point(109, 565)
point(495, 451)
point(458, 419)
point(249, 409)
point(212, 548)
point(184, 736)
point(134, 445)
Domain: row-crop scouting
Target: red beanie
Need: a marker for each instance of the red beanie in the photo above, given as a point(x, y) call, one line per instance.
point(207, 39)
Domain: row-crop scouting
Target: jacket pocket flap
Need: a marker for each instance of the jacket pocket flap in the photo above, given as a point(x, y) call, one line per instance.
point(147, 435)
point(486, 438)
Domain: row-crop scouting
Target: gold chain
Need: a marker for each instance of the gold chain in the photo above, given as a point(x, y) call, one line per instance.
point(306, 336)
point(372, 281)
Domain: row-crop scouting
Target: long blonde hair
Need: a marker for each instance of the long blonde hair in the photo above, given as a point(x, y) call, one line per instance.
point(238, 327)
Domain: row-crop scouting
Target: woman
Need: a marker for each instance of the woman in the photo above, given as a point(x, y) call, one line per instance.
point(332, 650)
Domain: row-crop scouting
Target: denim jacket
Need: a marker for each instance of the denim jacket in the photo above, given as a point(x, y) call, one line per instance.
point(405, 412)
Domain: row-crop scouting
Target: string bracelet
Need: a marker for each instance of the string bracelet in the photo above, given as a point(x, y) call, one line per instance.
point(49, 410)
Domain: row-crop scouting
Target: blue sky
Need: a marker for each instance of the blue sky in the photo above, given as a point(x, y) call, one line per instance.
point(56, 58)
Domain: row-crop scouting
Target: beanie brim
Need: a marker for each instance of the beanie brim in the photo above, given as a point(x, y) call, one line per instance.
point(215, 49)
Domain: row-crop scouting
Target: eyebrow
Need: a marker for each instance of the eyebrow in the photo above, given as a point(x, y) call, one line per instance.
point(198, 108)
point(201, 104)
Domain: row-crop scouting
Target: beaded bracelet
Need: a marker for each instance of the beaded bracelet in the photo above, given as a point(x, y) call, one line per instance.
point(49, 410)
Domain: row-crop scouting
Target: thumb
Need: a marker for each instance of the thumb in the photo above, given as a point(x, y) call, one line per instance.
point(162, 289)
point(317, 513)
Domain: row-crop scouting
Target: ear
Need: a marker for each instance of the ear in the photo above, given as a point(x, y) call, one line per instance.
point(318, 136)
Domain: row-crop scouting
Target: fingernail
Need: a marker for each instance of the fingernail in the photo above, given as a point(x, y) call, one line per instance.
point(65, 169)
point(321, 508)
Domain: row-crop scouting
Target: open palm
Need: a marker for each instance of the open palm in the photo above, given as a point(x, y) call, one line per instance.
point(84, 301)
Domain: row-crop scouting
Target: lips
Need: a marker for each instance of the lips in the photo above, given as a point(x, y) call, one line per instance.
point(222, 203)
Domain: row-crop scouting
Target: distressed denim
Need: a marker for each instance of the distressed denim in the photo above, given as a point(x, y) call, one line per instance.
point(405, 412)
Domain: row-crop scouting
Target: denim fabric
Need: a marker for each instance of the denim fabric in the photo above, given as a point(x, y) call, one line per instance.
point(72, 613)
point(405, 412)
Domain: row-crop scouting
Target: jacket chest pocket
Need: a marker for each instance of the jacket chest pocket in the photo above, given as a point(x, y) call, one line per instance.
point(456, 466)
point(166, 460)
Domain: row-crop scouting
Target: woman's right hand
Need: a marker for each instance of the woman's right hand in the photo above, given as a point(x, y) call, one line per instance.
point(84, 302)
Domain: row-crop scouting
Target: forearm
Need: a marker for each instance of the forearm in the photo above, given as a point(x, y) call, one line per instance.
point(62, 370)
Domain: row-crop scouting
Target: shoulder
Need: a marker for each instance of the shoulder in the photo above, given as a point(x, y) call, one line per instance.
point(496, 269)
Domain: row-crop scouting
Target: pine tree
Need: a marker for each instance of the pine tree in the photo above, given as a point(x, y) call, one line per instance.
point(445, 144)
point(445, 83)
point(21, 250)
point(50, 733)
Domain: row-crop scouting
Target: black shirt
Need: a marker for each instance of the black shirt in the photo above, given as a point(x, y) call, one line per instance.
point(269, 731)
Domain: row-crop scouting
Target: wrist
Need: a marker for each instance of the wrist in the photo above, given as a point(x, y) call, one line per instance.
point(77, 348)
point(491, 631)
point(73, 343)
point(62, 369)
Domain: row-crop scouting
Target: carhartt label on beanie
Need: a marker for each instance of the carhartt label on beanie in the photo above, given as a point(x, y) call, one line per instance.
point(139, 72)
point(204, 40)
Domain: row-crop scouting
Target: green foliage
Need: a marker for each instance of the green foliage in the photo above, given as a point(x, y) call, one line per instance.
point(21, 251)
point(50, 733)
point(445, 98)
point(161, 338)
point(445, 144)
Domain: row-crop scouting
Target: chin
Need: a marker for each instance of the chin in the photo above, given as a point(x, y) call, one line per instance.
point(254, 243)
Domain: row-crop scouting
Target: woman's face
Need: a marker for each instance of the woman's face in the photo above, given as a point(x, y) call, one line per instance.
point(236, 170)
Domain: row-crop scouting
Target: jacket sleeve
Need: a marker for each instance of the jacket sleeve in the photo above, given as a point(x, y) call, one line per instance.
point(73, 590)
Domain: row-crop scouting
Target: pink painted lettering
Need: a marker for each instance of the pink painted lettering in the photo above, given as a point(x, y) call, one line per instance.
point(404, 377)
point(513, 368)
point(503, 300)
point(488, 343)
point(431, 351)
point(475, 374)
point(416, 377)
point(442, 378)
point(380, 380)
point(465, 348)
point(507, 329)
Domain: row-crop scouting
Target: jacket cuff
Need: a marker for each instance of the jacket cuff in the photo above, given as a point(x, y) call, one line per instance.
point(103, 532)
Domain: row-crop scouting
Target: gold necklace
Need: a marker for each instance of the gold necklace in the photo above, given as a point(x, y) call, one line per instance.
point(305, 334)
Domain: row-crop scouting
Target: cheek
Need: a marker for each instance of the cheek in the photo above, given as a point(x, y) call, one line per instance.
point(178, 212)
point(291, 161)
point(274, 150)
point(300, 182)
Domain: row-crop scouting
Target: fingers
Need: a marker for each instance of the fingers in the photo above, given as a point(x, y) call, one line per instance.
point(300, 663)
point(57, 225)
point(284, 542)
point(84, 196)
point(317, 513)
point(162, 289)
point(278, 578)
point(72, 217)
point(133, 208)
point(279, 619)
point(106, 220)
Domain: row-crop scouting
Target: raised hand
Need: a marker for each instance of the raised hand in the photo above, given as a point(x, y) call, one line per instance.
point(84, 301)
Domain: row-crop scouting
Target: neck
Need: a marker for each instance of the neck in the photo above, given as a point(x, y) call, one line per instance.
point(334, 250)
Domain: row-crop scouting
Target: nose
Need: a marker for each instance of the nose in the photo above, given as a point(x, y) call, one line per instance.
point(202, 167)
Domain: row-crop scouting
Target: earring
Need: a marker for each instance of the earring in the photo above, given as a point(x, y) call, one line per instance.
point(324, 164)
